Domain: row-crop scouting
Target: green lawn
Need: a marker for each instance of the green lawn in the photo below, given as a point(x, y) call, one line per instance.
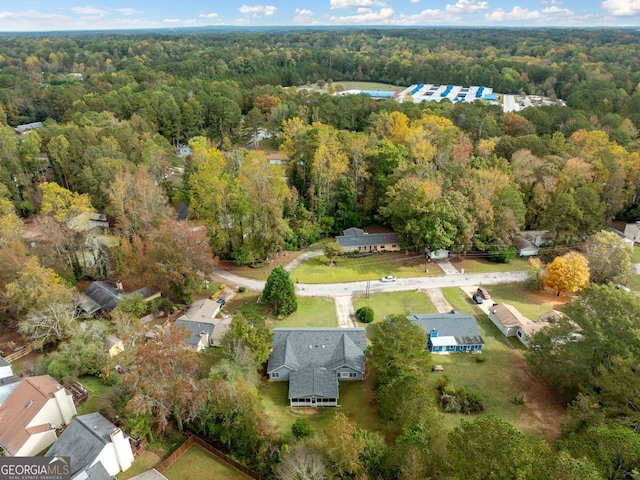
point(374, 267)
point(313, 312)
point(634, 284)
point(479, 265)
point(146, 461)
point(635, 257)
point(354, 402)
point(502, 376)
point(96, 389)
point(246, 303)
point(384, 304)
point(530, 303)
point(198, 464)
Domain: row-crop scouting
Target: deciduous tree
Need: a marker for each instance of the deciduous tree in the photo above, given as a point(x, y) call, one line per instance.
point(568, 273)
point(609, 258)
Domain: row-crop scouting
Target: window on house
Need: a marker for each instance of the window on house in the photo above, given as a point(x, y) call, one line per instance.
point(275, 374)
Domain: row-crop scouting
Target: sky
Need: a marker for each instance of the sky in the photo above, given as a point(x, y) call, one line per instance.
point(52, 15)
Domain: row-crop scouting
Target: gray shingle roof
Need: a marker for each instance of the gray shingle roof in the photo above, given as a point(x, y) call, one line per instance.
point(459, 325)
point(83, 440)
point(298, 348)
point(98, 472)
point(371, 239)
point(104, 295)
point(195, 328)
point(4, 363)
point(313, 381)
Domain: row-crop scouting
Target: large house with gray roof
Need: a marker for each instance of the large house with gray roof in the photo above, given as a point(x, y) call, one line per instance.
point(449, 332)
point(314, 359)
point(96, 447)
point(357, 240)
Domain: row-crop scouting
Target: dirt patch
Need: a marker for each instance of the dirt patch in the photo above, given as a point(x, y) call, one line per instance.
point(543, 409)
point(32, 230)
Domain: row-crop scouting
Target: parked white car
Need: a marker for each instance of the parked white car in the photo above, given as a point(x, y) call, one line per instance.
point(388, 278)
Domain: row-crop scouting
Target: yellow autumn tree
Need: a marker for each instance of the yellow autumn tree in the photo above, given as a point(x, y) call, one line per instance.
point(568, 273)
point(63, 204)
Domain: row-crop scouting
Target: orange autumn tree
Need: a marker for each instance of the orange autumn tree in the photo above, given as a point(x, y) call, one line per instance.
point(568, 273)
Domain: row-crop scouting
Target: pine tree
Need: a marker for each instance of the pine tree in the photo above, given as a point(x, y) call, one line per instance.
point(280, 292)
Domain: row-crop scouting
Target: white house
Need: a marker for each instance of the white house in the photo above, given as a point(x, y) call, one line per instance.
point(93, 444)
point(8, 381)
point(513, 324)
point(632, 232)
point(31, 413)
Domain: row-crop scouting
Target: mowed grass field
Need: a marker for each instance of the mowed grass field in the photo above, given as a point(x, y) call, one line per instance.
point(374, 267)
point(472, 264)
point(355, 402)
point(198, 464)
point(384, 304)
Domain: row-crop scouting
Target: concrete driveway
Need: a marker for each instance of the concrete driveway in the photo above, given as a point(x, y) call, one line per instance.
point(345, 312)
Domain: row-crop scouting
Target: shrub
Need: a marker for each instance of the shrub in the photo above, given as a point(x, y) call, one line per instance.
point(242, 289)
point(301, 428)
point(518, 399)
point(481, 357)
point(502, 256)
point(364, 314)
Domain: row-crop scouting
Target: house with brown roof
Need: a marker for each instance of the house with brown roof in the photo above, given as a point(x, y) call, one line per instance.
point(30, 415)
point(513, 324)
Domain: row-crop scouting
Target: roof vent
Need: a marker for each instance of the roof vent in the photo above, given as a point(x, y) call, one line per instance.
point(29, 403)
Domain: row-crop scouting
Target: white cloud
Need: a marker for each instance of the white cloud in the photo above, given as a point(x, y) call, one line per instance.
point(431, 16)
point(517, 13)
point(127, 11)
point(88, 11)
point(30, 17)
point(171, 20)
point(209, 16)
point(554, 10)
point(304, 15)
point(467, 6)
point(356, 4)
point(256, 10)
point(415, 1)
point(622, 8)
point(385, 15)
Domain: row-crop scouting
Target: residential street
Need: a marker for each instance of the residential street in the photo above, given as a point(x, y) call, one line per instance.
point(376, 286)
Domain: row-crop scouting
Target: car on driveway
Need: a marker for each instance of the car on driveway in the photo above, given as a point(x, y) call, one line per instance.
point(221, 302)
point(388, 278)
point(483, 293)
point(477, 298)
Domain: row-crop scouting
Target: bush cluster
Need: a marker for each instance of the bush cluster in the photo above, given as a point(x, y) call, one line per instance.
point(458, 400)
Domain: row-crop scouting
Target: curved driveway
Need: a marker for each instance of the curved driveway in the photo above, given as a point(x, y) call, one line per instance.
point(376, 286)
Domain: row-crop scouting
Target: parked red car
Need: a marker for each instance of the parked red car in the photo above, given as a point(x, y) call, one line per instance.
point(483, 293)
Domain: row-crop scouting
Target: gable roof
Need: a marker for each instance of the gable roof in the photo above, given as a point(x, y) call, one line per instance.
point(196, 329)
point(461, 326)
point(83, 440)
point(356, 237)
point(4, 363)
point(313, 381)
point(21, 407)
point(201, 311)
point(100, 295)
point(300, 348)
point(509, 316)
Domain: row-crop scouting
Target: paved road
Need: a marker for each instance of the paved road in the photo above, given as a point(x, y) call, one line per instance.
point(301, 258)
point(376, 286)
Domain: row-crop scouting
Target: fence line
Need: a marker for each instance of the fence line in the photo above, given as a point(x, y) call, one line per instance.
point(20, 353)
point(170, 460)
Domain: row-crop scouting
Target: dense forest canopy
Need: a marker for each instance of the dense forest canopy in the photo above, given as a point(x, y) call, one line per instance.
point(461, 176)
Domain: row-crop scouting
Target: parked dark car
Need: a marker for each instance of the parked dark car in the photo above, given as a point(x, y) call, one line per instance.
point(477, 298)
point(221, 301)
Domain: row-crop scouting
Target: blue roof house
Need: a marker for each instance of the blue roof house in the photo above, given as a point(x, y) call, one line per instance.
point(314, 359)
point(449, 332)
